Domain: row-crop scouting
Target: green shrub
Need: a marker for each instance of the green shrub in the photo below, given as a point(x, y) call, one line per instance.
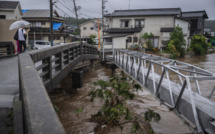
point(92, 39)
point(115, 93)
point(177, 37)
point(198, 44)
point(172, 50)
point(147, 38)
point(189, 49)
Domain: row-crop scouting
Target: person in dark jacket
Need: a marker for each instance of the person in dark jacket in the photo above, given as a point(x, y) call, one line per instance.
point(21, 38)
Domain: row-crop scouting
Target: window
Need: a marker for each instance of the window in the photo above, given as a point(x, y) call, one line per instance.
point(91, 28)
point(2, 16)
point(108, 39)
point(84, 28)
point(43, 23)
point(135, 39)
point(155, 42)
point(35, 24)
point(139, 23)
point(125, 23)
point(129, 39)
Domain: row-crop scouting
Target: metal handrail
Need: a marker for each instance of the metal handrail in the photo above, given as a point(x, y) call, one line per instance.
point(119, 59)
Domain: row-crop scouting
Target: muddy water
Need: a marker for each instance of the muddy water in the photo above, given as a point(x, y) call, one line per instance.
point(78, 123)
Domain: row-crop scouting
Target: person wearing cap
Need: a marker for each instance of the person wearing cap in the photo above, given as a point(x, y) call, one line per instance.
point(21, 38)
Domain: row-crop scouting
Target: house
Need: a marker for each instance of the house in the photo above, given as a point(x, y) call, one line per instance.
point(197, 19)
point(210, 27)
point(88, 28)
point(207, 30)
point(40, 26)
point(127, 26)
point(10, 10)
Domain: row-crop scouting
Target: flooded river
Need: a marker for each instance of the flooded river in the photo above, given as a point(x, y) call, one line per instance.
point(79, 123)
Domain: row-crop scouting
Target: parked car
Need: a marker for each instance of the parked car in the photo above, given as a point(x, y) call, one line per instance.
point(59, 43)
point(41, 44)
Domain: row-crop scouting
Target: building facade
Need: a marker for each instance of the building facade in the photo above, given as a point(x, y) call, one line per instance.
point(10, 10)
point(126, 27)
point(88, 28)
point(40, 26)
point(197, 19)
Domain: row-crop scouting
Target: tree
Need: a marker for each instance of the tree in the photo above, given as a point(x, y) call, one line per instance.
point(114, 112)
point(77, 31)
point(177, 37)
point(198, 44)
point(147, 38)
point(92, 39)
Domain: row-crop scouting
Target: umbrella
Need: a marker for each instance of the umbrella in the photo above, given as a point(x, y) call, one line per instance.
point(18, 24)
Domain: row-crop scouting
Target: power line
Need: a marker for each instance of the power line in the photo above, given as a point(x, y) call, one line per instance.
point(67, 1)
point(62, 10)
point(86, 15)
point(66, 7)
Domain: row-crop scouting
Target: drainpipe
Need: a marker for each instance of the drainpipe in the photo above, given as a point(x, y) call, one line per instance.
point(126, 42)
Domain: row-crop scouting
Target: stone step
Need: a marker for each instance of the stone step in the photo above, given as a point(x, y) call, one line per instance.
point(9, 89)
point(6, 101)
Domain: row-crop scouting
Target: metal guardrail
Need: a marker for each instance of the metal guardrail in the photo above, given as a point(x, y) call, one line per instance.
point(39, 114)
point(154, 73)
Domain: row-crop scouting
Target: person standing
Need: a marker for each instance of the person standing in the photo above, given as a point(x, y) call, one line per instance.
point(21, 38)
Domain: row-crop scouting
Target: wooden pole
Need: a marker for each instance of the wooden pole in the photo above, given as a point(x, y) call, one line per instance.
point(98, 33)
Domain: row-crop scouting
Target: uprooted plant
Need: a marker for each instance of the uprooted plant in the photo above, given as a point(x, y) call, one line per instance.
point(114, 112)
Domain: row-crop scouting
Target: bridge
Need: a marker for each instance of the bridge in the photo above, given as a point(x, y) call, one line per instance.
point(38, 72)
point(153, 72)
point(32, 75)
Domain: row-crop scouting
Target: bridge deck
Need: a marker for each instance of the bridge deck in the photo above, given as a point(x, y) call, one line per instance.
point(9, 80)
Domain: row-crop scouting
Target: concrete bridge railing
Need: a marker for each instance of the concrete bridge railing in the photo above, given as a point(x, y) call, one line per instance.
point(53, 65)
point(176, 90)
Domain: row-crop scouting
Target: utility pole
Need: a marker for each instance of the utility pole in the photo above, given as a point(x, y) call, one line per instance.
point(51, 21)
point(76, 14)
point(103, 7)
point(65, 28)
point(79, 30)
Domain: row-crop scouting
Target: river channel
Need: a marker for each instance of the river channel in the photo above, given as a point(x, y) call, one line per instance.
point(79, 123)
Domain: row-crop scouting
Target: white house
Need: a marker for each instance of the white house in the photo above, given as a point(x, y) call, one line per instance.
point(88, 28)
point(10, 10)
point(130, 25)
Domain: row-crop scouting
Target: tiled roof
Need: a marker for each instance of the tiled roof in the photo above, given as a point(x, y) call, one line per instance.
point(36, 13)
point(8, 4)
point(167, 29)
point(194, 14)
point(124, 30)
point(145, 12)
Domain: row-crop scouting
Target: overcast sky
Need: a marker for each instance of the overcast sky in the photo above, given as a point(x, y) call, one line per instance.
point(92, 8)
